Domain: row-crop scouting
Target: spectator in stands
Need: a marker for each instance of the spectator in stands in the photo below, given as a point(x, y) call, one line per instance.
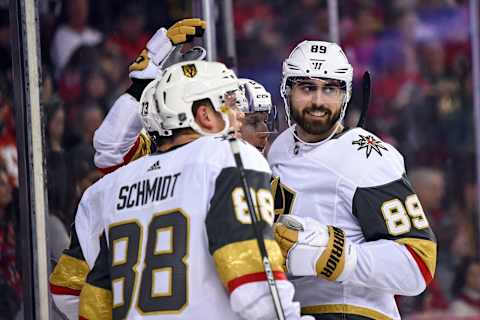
point(5, 52)
point(109, 60)
point(442, 105)
point(361, 41)
point(84, 174)
point(90, 119)
point(10, 281)
point(429, 184)
point(466, 216)
point(70, 84)
point(95, 88)
point(75, 33)
point(79, 158)
point(466, 289)
point(130, 36)
point(8, 145)
point(57, 174)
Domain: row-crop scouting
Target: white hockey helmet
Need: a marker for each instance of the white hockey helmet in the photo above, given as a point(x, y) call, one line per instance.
point(317, 59)
point(166, 103)
point(257, 97)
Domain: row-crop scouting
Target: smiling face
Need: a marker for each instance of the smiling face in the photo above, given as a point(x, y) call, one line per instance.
point(316, 106)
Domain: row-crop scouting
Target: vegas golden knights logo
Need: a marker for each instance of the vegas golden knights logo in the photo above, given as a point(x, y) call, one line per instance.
point(189, 70)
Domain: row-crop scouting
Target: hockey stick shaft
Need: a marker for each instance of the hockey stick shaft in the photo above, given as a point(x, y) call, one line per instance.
point(366, 92)
point(255, 224)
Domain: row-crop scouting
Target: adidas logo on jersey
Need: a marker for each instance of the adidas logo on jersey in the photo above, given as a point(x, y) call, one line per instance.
point(155, 166)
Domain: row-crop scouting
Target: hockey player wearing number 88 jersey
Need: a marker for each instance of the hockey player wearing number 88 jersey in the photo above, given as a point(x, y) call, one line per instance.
point(352, 229)
point(122, 139)
point(165, 215)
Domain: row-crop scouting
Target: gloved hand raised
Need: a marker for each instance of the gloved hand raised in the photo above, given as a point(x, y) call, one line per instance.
point(148, 64)
point(185, 30)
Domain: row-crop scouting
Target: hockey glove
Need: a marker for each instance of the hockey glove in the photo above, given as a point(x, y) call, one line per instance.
point(313, 249)
point(148, 64)
point(185, 30)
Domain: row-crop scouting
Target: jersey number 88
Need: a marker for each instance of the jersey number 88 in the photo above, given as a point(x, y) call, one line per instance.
point(125, 241)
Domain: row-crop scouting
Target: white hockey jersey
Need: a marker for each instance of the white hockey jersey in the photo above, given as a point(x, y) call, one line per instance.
point(120, 139)
point(163, 217)
point(357, 183)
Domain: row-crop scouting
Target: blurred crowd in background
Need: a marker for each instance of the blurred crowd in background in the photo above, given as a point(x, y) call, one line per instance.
point(418, 53)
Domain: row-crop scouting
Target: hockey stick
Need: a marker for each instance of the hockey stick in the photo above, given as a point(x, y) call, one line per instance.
point(260, 240)
point(175, 55)
point(366, 88)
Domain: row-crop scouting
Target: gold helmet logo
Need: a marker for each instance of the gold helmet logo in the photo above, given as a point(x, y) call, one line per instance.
point(189, 70)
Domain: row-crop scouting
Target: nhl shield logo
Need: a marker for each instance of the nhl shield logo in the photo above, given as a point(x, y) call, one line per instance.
point(189, 70)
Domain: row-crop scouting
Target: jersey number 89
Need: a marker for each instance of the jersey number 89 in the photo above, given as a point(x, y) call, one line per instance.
point(400, 218)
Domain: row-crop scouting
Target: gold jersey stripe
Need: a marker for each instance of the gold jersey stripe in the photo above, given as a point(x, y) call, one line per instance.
point(95, 303)
point(275, 185)
point(344, 309)
point(426, 249)
point(241, 258)
point(144, 147)
point(283, 196)
point(69, 273)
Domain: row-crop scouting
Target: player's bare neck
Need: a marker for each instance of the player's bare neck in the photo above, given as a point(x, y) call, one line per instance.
point(177, 140)
point(312, 138)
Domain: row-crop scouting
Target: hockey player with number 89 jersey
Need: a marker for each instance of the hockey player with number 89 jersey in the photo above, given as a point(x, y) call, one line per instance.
point(352, 229)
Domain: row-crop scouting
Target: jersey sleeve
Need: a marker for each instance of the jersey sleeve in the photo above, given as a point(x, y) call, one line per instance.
point(234, 247)
point(68, 278)
point(120, 139)
point(398, 234)
point(96, 296)
point(71, 269)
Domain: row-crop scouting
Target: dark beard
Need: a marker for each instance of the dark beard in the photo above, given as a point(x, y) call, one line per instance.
point(315, 127)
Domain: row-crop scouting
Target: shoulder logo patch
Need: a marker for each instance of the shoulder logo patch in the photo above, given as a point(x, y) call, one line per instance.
point(189, 70)
point(369, 143)
point(155, 166)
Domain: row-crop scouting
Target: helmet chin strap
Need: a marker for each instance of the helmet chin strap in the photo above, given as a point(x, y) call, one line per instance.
point(292, 126)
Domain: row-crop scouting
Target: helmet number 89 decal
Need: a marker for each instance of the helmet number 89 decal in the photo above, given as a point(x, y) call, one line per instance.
point(318, 49)
point(399, 218)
